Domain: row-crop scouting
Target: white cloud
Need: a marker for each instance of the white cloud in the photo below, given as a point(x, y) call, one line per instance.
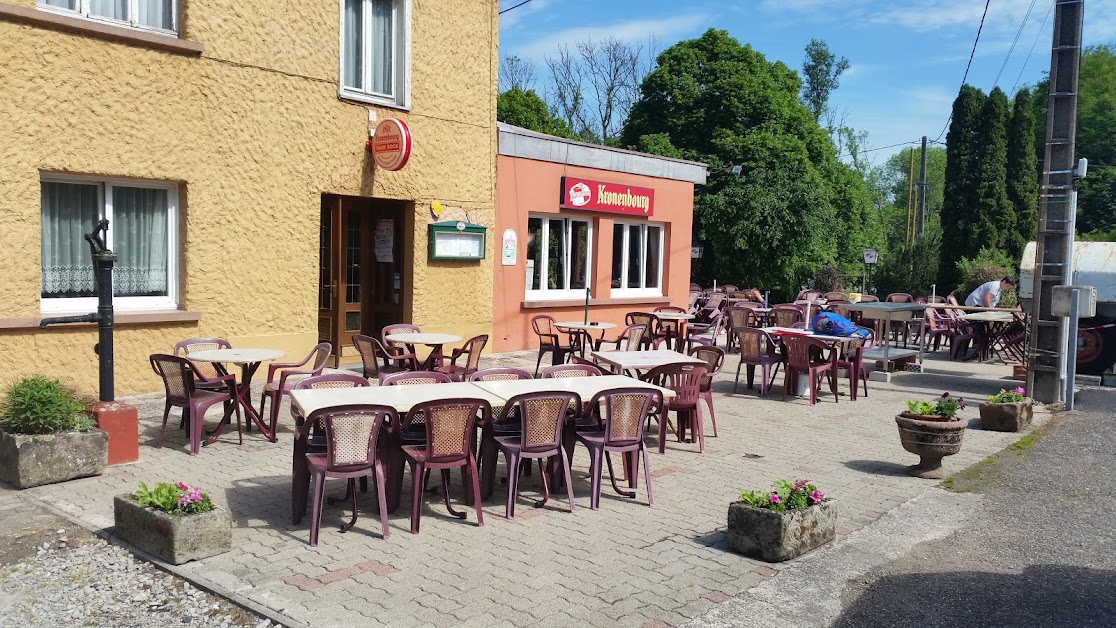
point(665, 29)
point(511, 19)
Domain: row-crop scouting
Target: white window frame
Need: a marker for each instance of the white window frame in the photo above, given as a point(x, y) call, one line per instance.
point(104, 210)
point(83, 11)
point(642, 291)
point(544, 292)
point(401, 67)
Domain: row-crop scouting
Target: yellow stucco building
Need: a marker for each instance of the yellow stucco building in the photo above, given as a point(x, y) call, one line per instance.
point(226, 144)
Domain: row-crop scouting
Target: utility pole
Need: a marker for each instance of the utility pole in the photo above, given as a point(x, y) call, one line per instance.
point(921, 230)
point(1053, 259)
point(910, 207)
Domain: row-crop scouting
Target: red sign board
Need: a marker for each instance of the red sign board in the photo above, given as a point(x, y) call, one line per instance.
point(607, 197)
point(391, 145)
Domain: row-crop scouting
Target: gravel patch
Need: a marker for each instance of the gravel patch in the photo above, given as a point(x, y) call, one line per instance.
point(90, 582)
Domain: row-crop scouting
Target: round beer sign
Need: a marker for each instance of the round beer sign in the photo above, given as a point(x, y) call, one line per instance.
point(391, 146)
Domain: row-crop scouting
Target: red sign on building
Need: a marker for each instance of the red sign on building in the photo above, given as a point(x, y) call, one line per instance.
point(597, 196)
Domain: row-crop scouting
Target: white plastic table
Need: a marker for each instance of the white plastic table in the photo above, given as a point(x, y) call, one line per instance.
point(249, 361)
point(583, 387)
point(432, 340)
point(624, 360)
point(888, 312)
point(585, 327)
point(402, 398)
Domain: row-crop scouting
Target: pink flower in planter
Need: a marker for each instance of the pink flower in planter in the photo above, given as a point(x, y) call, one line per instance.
point(183, 486)
point(775, 499)
point(816, 496)
point(1019, 391)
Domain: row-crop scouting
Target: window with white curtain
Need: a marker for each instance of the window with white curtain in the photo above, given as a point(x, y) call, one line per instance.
point(375, 51)
point(161, 15)
point(558, 257)
point(143, 224)
point(637, 259)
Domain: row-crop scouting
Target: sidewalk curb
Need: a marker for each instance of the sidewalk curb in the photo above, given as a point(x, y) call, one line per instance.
point(202, 583)
point(808, 592)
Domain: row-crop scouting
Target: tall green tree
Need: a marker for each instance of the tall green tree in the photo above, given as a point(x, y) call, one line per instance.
point(897, 183)
point(725, 104)
point(526, 109)
point(960, 181)
point(993, 216)
point(821, 72)
point(1022, 174)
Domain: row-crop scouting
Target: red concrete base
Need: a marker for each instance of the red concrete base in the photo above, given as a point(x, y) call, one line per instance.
point(121, 422)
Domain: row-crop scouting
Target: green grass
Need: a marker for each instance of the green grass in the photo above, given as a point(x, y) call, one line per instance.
point(988, 473)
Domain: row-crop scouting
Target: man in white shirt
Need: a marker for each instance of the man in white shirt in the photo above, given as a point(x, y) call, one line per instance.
point(988, 294)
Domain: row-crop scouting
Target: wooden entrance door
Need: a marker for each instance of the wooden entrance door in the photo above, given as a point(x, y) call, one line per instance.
point(360, 270)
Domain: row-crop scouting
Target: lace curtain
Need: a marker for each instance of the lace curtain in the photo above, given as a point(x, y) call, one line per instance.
point(138, 234)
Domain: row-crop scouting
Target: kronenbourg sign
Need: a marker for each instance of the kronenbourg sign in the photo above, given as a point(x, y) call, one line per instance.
point(391, 145)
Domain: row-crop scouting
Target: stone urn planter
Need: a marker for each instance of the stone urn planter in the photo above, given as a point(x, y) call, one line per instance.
point(28, 460)
point(773, 536)
point(1006, 417)
point(175, 538)
point(931, 438)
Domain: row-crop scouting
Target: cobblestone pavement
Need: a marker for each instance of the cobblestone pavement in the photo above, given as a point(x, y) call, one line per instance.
point(624, 565)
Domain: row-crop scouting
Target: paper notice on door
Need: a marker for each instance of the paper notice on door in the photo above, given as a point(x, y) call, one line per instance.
point(384, 239)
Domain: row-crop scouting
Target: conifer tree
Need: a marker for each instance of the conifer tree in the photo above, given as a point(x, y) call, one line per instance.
point(993, 215)
point(960, 181)
point(1022, 174)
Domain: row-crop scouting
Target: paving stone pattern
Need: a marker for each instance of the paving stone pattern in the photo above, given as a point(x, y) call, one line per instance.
point(624, 565)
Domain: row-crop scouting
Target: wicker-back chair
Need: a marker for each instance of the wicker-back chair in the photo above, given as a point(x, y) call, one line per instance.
point(715, 358)
point(207, 370)
point(275, 389)
point(621, 412)
point(397, 348)
point(650, 323)
point(739, 316)
point(571, 370)
point(550, 340)
point(804, 355)
point(472, 351)
point(378, 362)
point(498, 375)
point(757, 348)
point(685, 381)
point(787, 316)
point(852, 359)
point(180, 377)
point(542, 417)
point(631, 339)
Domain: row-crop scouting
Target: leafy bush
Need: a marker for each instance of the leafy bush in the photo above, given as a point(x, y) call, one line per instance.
point(37, 405)
point(174, 498)
point(945, 406)
point(786, 496)
point(989, 265)
point(828, 279)
point(909, 268)
point(1008, 396)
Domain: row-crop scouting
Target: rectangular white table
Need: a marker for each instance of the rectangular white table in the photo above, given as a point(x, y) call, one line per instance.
point(888, 312)
point(402, 398)
point(642, 360)
point(583, 387)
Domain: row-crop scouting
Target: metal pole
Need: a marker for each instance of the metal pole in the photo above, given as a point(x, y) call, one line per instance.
point(921, 216)
point(1071, 348)
point(103, 263)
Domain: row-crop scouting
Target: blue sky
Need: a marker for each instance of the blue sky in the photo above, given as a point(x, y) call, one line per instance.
point(906, 57)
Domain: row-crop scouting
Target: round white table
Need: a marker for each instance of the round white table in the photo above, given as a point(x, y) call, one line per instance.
point(579, 327)
point(432, 340)
point(680, 327)
point(249, 361)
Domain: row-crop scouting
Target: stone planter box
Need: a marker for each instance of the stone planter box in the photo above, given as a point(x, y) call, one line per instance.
point(28, 460)
point(777, 536)
point(173, 538)
point(931, 438)
point(1006, 417)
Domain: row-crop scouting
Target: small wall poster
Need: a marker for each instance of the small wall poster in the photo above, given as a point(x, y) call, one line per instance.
point(384, 239)
point(508, 245)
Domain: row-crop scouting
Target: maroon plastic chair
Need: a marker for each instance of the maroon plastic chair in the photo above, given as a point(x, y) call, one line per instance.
point(805, 355)
point(449, 433)
point(787, 316)
point(352, 433)
point(939, 325)
point(180, 377)
point(631, 339)
point(624, 412)
point(550, 341)
point(207, 369)
point(309, 437)
point(757, 348)
point(571, 370)
point(899, 297)
point(378, 361)
point(869, 298)
point(541, 419)
point(836, 296)
point(809, 295)
point(274, 391)
point(715, 358)
point(738, 316)
point(650, 323)
point(472, 351)
point(396, 348)
point(685, 381)
point(411, 378)
point(851, 359)
point(668, 329)
point(704, 334)
point(498, 374)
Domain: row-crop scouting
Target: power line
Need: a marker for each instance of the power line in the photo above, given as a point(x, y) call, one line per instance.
point(1028, 60)
point(1019, 32)
point(872, 150)
point(514, 7)
point(969, 65)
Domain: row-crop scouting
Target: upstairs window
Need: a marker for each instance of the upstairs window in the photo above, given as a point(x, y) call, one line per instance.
point(160, 15)
point(375, 51)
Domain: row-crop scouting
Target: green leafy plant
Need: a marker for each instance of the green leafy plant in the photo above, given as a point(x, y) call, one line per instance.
point(38, 405)
point(174, 498)
point(945, 405)
point(1008, 396)
point(786, 496)
point(828, 279)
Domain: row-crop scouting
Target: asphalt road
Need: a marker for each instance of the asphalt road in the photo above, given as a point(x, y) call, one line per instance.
point(1041, 550)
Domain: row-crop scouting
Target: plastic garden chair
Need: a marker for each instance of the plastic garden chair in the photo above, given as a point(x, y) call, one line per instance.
point(541, 419)
point(549, 341)
point(715, 358)
point(378, 361)
point(397, 348)
point(449, 427)
point(309, 437)
point(649, 321)
point(704, 333)
point(180, 377)
point(274, 390)
point(498, 374)
point(351, 436)
point(472, 351)
point(667, 329)
point(804, 355)
point(413, 378)
point(852, 360)
point(631, 339)
point(787, 316)
point(685, 381)
point(621, 412)
point(738, 317)
point(757, 348)
point(207, 369)
point(571, 370)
